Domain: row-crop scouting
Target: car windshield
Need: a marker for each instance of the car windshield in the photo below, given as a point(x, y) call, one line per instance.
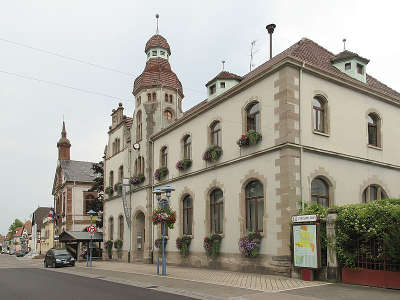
point(61, 252)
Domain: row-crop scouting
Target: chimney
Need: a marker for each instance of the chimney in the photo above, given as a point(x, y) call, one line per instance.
point(270, 29)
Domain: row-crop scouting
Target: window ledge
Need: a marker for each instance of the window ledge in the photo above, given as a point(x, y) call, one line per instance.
point(374, 147)
point(321, 133)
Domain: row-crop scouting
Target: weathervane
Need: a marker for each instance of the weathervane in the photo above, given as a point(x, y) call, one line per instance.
point(223, 65)
point(157, 16)
point(344, 44)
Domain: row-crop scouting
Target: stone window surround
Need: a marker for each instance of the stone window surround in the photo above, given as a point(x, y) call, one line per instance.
point(182, 153)
point(373, 180)
point(207, 218)
point(111, 226)
point(185, 192)
point(379, 129)
point(161, 156)
point(252, 175)
point(212, 123)
point(323, 98)
point(246, 105)
point(321, 173)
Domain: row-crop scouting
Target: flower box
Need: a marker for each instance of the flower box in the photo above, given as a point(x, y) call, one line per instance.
point(249, 245)
point(118, 188)
point(164, 215)
point(109, 191)
point(158, 242)
point(184, 164)
point(183, 243)
point(137, 179)
point(160, 173)
point(250, 138)
point(212, 245)
point(212, 154)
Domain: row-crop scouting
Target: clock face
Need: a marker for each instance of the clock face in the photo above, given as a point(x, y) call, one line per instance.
point(136, 146)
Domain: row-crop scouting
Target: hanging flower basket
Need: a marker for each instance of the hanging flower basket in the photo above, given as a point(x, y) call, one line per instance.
point(118, 188)
point(183, 243)
point(160, 173)
point(157, 243)
point(184, 164)
point(249, 245)
point(109, 191)
point(252, 137)
point(212, 245)
point(137, 179)
point(212, 154)
point(164, 215)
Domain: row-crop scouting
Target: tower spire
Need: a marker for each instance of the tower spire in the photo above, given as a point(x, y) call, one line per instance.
point(157, 16)
point(63, 145)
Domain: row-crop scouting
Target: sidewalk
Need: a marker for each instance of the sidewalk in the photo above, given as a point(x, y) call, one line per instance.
point(256, 282)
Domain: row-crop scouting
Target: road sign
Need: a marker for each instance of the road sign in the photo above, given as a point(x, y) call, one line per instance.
point(91, 229)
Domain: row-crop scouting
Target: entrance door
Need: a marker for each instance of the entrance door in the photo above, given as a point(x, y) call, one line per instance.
point(139, 236)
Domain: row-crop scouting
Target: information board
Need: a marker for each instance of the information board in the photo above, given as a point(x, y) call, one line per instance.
point(306, 245)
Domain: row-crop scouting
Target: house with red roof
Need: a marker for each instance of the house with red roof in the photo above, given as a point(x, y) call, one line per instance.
point(308, 126)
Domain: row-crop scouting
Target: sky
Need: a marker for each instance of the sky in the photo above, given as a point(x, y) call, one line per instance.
point(78, 59)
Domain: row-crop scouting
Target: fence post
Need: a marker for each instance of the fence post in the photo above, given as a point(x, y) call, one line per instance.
point(333, 271)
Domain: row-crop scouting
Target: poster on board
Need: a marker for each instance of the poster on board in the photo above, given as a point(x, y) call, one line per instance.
point(306, 245)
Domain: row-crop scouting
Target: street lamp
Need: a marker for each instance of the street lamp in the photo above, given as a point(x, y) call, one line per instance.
point(163, 203)
point(91, 213)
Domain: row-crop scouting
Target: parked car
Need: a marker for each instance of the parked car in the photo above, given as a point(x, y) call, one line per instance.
point(20, 253)
point(12, 252)
point(58, 257)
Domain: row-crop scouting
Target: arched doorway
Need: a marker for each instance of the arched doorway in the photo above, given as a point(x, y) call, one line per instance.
point(139, 234)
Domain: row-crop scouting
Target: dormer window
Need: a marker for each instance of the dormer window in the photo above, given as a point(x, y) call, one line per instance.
point(213, 89)
point(347, 66)
point(154, 52)
point(162, 53)
point(360, 69)
point(222, 85)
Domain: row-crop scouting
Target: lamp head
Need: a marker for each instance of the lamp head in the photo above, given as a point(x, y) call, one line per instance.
point(168, 189)
point(158, 193)
point(92, 212)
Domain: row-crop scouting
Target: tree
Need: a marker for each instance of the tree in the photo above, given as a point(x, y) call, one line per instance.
point(17, 223)
point(98, 186)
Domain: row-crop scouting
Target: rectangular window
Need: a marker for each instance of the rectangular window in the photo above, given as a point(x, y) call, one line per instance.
point(170, 98)
point(154, 52)
point(213, 89)
point(162, 53)
point(166, 97)
point(139, 100)
point(347, 66)
point(222, 85)
point(149, 97)
point(360, 69)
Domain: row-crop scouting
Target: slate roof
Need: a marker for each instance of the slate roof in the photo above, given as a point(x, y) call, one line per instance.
point(225, 75)
point(69, 236)
point(158, 72)
point(38, 215)
point(157, 40)
point(74, 170)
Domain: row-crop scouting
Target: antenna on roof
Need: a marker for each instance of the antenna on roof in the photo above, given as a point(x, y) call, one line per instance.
point(344, 44)
point(223, 65)
point(251, 54)
point(157, 16)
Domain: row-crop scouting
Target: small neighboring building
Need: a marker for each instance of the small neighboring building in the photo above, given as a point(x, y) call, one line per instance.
point(27, 236)
point(37, 221)
point(72, 181)
point(47, 235)
point(16, 240)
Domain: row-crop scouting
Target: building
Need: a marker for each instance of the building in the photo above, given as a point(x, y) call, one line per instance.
point(26, 240)
point(71, 183)
point(307, 126)
point(47, 235)
point(37, 222)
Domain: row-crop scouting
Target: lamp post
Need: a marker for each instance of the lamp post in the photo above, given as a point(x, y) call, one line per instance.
point(163, 203)
point(89, 262)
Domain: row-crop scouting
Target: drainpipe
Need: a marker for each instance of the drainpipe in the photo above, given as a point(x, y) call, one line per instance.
point(300, 133)
point(152, 195)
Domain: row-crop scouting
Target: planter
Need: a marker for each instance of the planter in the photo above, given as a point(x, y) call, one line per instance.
point(368, 277)
point(164, 215)
point(118, 188)
point(250, 138)
point(212, 245)
point(158, 242)
point(212, 154)
point(109, 191)
point(137, 179)
point(249, 245)
point(183, 244)
point(160, 173)
point(184, 164)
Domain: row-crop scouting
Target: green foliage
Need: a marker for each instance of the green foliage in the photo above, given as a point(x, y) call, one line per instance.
point(109, 191)
point(17, 223)
point(118, 244)
point(212, 154)
point(109, 245)
point(183, 245)
point(212, 245)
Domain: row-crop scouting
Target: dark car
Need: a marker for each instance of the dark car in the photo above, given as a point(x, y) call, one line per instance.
point(58, 257)
point(20, 253)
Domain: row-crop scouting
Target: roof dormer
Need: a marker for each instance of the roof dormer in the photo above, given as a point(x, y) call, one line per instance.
point(351, 64)
point(157, 46)
point(221, 83)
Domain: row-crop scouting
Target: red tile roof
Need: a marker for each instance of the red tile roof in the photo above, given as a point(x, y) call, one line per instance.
point(225, 75)
point(316, 56)
point(28, 227)
point(158, 72)
point(346, 54)
point(157, 40)
point(18, 231)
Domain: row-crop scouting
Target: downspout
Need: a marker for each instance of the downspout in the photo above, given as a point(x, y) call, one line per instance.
point(152, 196)
point(300, 134)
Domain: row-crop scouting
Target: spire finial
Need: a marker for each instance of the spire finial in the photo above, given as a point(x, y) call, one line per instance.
point(63, 132)
point(223, 65)
point(344, 44)
point(157, 16)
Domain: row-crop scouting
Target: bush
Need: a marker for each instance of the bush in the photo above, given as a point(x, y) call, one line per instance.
point(212, 245)
point(183, 244)
point(118, 244)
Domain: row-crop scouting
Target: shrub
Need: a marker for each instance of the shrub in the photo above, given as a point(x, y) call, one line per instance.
point(160, 173)
point(183, 244)
point(249, 245)
point(184, 164)
point(137, 179)
point(212, 245)
point(118, 244)
point(212, 154)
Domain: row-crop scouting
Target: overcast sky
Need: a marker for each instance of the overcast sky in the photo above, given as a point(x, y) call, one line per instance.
point(113, 34)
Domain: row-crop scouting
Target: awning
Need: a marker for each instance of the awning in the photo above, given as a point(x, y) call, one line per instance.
point(80, 236)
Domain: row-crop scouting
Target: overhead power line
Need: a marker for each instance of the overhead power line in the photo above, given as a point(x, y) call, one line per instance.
point(67, 57)
point(61, 85)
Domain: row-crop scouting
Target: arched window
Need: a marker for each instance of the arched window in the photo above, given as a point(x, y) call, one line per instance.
point(373, 130)
point(111, 178)
point(168, 115)
point(253, 117)
point(187, 215)
point(88, 202)
point(187, 147)
point(164, 157)
point(373, 192)
point(121, 227)
point(216, 211)
point(320, 192)
point(139, 126)
point(111, 228)
point(139, 165)
point(319, 113)
point(216, 133)
point(254, 206)
point(148, 97)
point(120, 174)
point(154, 97)
point(166, 97)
